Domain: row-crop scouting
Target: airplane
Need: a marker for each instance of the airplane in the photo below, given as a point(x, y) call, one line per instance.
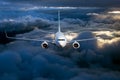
point(60, 40)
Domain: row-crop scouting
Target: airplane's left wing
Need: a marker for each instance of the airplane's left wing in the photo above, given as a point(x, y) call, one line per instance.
point(28, 39)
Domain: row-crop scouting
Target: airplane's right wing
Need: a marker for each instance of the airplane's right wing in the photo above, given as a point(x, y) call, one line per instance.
point(88, 39)
point(94, 38)
point(76, 43)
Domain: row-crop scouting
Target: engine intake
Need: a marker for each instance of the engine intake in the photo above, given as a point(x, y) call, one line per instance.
point(76, 45)
point(44, 45)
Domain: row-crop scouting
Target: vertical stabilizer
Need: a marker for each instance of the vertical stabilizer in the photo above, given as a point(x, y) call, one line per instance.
point(59, 29)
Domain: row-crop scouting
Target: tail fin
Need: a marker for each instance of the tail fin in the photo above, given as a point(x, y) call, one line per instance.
point(59, 29)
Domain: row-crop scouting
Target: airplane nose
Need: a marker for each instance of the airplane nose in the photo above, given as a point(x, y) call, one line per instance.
point(62, 44)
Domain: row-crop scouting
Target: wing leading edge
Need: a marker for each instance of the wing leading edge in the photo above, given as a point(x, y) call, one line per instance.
point(80, 40)
point(27, 39)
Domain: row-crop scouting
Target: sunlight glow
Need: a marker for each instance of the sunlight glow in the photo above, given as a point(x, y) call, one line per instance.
point(110, 37)
point(114, 12)
point(71, 36)
point(68, 36)
point(107, 33)
point(116, 17)
point(101, 42)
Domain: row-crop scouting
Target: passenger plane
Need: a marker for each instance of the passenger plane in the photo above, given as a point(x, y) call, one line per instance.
point(60, 39)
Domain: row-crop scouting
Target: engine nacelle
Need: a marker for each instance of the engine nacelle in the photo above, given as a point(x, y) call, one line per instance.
point(76, 45)
point(44, 45)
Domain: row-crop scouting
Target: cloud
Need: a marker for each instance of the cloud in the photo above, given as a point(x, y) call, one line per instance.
point(24, 63)
point(21, 60)
point(92, 3)
point(97, 59)
point(10, 59)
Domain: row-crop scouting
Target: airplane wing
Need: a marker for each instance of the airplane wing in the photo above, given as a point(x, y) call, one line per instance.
point(28, 39)
point(80, 40)
point(94, 38)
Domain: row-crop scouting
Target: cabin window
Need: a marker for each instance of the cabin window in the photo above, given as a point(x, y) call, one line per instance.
point(61, 39)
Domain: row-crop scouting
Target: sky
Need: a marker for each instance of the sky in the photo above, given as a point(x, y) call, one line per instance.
point(76, 3)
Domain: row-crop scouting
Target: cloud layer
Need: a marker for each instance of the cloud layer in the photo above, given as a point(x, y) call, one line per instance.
point(21, 60)
point(26, 60)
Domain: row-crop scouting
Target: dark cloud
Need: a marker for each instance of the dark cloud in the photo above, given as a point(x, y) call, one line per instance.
point(92, 3)
point(94, 60)
point(20, 60)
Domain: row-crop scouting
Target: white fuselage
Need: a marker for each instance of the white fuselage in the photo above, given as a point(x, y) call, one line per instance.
point(60, 39)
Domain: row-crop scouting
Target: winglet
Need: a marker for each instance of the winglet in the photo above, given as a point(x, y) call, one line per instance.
point(59, 21)
point(6, 34)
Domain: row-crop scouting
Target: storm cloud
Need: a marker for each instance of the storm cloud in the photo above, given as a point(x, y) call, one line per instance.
point(21, 60)
point(26, 60)
point(76, 3)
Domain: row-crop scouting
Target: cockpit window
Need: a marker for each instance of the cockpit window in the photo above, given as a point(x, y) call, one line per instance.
point(61, 39)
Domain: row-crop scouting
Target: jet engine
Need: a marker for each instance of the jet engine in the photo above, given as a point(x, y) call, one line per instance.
point(44, 45)
point(76, 45)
